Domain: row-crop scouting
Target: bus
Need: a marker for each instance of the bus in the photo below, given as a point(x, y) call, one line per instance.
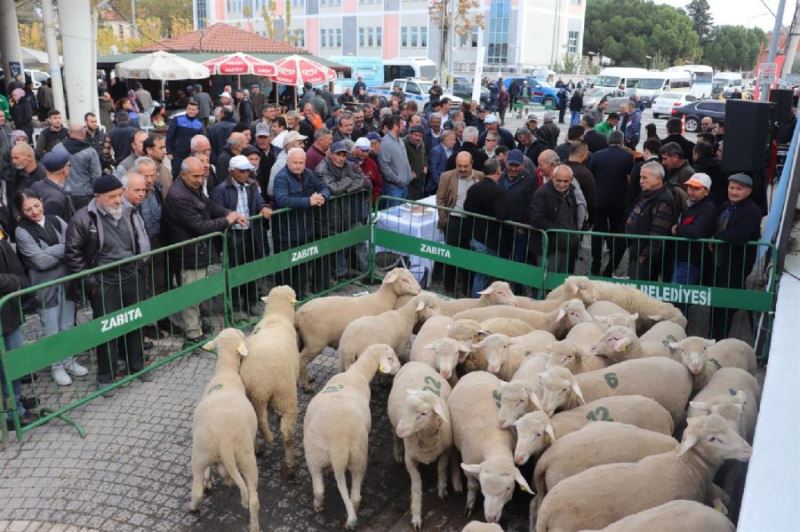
point(369, 69)
point(619, 78)
point(652, 84)
point(702, 79)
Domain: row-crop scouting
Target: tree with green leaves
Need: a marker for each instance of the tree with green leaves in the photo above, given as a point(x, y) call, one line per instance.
point(627, 31)
point(734, 48)
point(700, 13)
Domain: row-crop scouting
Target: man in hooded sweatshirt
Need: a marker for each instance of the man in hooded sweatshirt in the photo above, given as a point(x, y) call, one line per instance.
point(84, 165)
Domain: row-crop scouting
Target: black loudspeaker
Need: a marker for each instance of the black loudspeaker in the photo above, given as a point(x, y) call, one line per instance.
point(747, 129)
point(782, 98)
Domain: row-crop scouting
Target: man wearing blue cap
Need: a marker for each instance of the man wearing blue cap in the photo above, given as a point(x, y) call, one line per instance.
point(739, 222)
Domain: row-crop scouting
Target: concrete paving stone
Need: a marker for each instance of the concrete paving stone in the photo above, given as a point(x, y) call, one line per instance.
point(18, 526)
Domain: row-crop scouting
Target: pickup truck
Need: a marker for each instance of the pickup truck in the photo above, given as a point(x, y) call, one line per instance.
point(414, 89)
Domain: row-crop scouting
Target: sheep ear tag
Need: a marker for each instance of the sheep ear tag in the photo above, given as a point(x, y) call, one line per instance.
point(384, 367)
point(209, 346)
point(242, 349)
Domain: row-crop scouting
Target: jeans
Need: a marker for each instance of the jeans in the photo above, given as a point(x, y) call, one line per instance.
point(12, 340)
point(480, 281)
point(686, 273)
point(393, 190)
point(575, 118)
point(60, 317)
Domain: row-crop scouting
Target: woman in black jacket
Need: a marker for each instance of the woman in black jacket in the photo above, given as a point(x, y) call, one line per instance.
point(22, 112)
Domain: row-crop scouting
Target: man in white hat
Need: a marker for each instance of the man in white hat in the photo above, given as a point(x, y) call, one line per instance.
point(699, 220)
point(248, 241)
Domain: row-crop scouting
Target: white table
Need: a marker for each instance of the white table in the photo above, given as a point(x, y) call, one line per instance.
point(401, 219)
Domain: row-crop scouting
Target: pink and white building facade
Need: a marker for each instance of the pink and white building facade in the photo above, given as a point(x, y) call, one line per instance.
point(534, 33)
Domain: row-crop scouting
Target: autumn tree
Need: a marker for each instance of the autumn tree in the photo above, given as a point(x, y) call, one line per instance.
point(467, 17)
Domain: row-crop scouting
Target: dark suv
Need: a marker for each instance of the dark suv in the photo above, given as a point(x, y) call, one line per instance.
point(696, 111)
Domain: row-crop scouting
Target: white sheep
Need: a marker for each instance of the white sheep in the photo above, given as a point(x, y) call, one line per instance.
point(568, 355)
point(674, 516)
point(586, 293)
point(468, 332)
point(604, 308)
point(631, 299)
point(508, 326)
point(515, 400)
point(337, 424)
point(477, 526)
point(659, 378)
point(536, 431)
point(392, 327)
point(557, 321)
point(622, 319)
point(421, 420)
point(593, 445)
point(486, 449)
point(224, 428)
point(732, 393)
point(607, 493)
point(704, 357)
point(497, 293)
point(270, 371)
point(321, 321)
point(504, 355)
point(621, 343)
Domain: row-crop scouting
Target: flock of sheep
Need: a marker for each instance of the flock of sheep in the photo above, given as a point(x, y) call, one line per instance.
point(487, 385)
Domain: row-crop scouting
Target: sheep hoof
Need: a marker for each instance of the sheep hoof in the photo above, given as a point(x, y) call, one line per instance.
point(350, 524)
point(443, 493)
point(416, 523)
point(468, 511)
point(318, 506)
point(290, 473)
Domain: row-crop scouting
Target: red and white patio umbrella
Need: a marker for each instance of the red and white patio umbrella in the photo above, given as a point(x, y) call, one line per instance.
point(295, 70)
point(240, 63)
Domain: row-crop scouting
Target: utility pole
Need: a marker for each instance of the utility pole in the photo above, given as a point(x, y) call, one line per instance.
point(10, 46)
point(773, 48)
point(451, 51)
point(134, 28)
point(54, 66)
point(791, 47)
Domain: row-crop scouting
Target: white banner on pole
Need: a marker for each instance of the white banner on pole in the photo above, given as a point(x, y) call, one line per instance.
point(476, 82)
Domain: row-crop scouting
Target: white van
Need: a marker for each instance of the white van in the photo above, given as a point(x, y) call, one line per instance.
point(702, 76)
point(654, 83)
point(409, 67)
point(619, 78)
point(727, 82)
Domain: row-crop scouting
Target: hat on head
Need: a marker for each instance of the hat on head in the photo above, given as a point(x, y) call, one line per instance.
point(548, 116)
point(106, 183)
point(250, 150)
point(18, 134)
point(515, 156)
point(293, 136)
point(337, 147)
point(417, 129)
point(363, 144)
point(262, 130)
point(226, 94)
point(744, 179)
point(240, 162)
point(255, 86)
point(532, 118)
point(699, 180)
point(55, 160)
point(522, 131)
point(490, 119)
point(372, 136)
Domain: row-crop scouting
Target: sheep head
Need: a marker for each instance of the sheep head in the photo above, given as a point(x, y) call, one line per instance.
point(402, 282)
point(421, 410)
point(559, 388)
point(622, 319)
point(617, 339)
point(564, 354)
point(515, 402)
point(464, 330)
point(574, 311)
point(448, 353)
point(727, 406)
point(534, 435)
point(229, 340)
point(497, 478)
point(692, 351)
point(281, 300)
point(713, 438)
point(384, 355)
point(426, 305)
point(580, 287)
point(495, 349)
point(499, 293)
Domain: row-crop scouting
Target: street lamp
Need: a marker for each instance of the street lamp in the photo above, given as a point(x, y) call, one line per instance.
point(649, 62)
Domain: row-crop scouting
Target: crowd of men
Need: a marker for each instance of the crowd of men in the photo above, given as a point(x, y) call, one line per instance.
point(122, 191)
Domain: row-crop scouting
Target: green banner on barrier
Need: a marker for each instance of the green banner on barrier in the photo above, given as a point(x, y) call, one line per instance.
point(463, 258)
point(239, 275)
point(36, 355)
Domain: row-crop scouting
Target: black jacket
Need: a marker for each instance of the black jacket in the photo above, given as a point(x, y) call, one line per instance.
point(719, 183)
point(489, 199)
point(48, 139)
point(218, 135)
point(611, 168)
point(697, 221)
point(478, 156)
point(686, 145)
point(12, 278)
point(595, 141)
point(189, 214)
point(506, 138)
point(585, 179)
point(550, 209)
point(55, 199)
point(734, 260)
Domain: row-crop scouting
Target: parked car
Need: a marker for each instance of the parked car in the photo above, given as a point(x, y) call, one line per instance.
point(462, 88)
point(664, 103)
point(540, 91)
point(694, 112)
point(591, 97)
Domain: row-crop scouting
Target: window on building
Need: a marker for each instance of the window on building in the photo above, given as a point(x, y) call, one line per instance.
point(371, 37)
point(338, 37)
point(423, 36)
point(201, 13)
point(572, 42)
point(414, 36)
point(298, 37)
point(361, 39)
point(497, 49)
point(575, 2)
point(298, 3)
point(323, 38)
point(404, 37)
point(378, 36)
